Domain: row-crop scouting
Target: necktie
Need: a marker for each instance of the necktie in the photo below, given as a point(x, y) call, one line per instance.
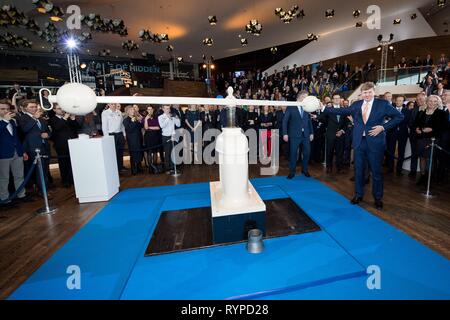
point(365, 112)
point(39, 124)
point(301, 112)
point(10, 128)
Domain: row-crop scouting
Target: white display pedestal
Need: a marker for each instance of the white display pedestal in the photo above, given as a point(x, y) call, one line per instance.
point(94, 168)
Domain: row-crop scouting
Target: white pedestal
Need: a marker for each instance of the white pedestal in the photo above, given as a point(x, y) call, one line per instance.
point(94, 168)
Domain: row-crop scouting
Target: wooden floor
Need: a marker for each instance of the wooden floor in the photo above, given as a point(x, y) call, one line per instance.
point(27, 240)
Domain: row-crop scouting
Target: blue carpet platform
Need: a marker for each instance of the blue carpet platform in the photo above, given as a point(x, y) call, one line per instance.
point(328, 264)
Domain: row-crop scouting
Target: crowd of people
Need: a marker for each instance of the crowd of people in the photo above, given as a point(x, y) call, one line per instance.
point(146, 131)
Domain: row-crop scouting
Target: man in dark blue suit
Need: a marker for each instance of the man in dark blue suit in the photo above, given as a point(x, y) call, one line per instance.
point(369, 138)
point(397, 137)
point(36, 136)
point(11, 153)
point(298, 131)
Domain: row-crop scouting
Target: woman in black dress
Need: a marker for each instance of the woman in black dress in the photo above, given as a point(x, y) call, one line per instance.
point(133, 130)
point(429, 123)
point(193, 124)
point(251, 119)
point(152, 137)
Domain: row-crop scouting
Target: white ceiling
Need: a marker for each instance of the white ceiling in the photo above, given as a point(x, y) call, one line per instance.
point(186, 22)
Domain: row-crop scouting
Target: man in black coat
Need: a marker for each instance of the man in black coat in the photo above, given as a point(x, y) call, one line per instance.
point(335, 136)
point(64, 127)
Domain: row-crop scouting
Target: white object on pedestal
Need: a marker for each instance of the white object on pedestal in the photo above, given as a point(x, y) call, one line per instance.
point(94, 168)
point(233, 194)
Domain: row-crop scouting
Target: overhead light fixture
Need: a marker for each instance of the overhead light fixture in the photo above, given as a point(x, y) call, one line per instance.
point(56, 14)
point(83, 66)
point(356, 13)
point(397, 21)
point(379, 48)
point(273, 50)
point(254, 27)
point(391, 47)
point(212, 66)
point(244, 42)
point(441, 3)
point(312, 37)
point(208, 42)
point(380, 37)
point(413, 16)
point(212, 20)
point(180, 59)
point(130, 45)
point(204, 66)
point(169, 48)
point(329, 13)
point(71, 43)
point(391, 37)
point(359, 24)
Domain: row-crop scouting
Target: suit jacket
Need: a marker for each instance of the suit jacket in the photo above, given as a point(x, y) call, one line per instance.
point(134, 134)
point(208, 122)
point(9, 143)
point(402, 129)
point(238, 119)
point(381, 109)
point(333, 125)
point(296, 126)
point(33, 139)
point(62, 131)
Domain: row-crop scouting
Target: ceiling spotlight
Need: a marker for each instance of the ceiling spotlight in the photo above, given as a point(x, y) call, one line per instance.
point(391, 47)
point(413, 16)
point(397, 21)
point(380, 37)
point(359, 24)
point(180, 59)
point(286, 16)
point(130, 45)
point(56, 14)
point(391, 37)
point(312, 37)
point(208, 42)
point(329, 13)
point(169, 48)
point(212, 67)
point(83, 66)
point(204, 56)
point(71, 43)
point(212, 20)
point(356, 13)
point(379, 48)
point(441, 3)
point(204, 66)
point(273, 50)
point(244, 42)
point(254, 27)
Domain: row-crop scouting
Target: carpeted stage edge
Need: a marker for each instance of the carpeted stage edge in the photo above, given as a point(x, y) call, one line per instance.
point(328, 264)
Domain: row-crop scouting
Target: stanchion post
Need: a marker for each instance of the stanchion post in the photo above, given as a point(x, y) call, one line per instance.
point(428, 194)
point(47, 209)
point(172, 157)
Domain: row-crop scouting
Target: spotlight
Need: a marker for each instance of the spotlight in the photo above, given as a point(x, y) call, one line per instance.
point(71, 43)
point(254, 27)
point(397, 21)
point(213, 67)
point(204, 66)
point(379, 48)
point(413, 16)
point(273, 50)
point(212, 20)
point(329, 13)
point(83, 66)
point(380, 37)
point(312, 37)
point(244, 42)
point(441, 3)
point(391, 47)
point(180, 59)
point(359, 24)
point(169, 48)
point(391, 37)
point(356, 13)
point(208, 42)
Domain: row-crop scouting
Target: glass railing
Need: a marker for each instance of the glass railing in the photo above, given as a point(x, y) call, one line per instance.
point(402, 76)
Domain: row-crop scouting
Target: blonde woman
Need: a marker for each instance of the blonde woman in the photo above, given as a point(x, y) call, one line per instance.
point(134, 138)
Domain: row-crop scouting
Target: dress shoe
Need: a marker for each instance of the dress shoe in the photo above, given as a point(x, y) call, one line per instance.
point(290, 176)
point(378, 204)
point(356, 200)
point(306, 173)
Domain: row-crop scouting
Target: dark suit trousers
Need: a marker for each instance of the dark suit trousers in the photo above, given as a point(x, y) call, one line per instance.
point(65, 168)
point(364, 155)
point(335, 146)
point(414, 157)
point(119, 141)
point(168, 147)
point(394, 141)
point(299, 147)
